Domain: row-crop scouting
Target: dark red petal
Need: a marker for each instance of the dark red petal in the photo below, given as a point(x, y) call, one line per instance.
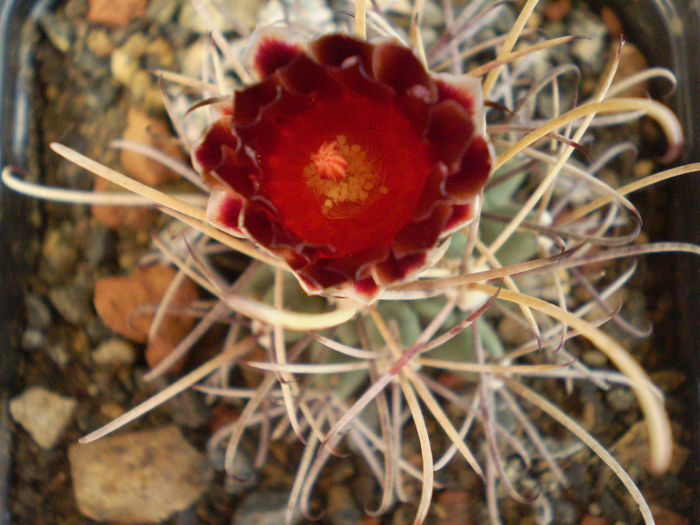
point(258, 224)
point(354, 76)
point(433, 192)
point(222, 160)
point(304, 76)
point(225, 211)
point(366, 287)
point(449, 92)
point(248, 103)
point(449, 132)
point(321, 277)
point(395, 270)
point(271, 127)
point(473, 172)
point(398, 67)
point(273, 54)
point(334, 271)
point(423, 235)
point(209, 153)
point(357, 265)
point(461, 215)
point(294, 258)
point(242, 179)
point(309, 284)
point(333, 50)
point(416, 106)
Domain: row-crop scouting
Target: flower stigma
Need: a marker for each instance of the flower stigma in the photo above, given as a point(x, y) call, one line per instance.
point(344, 177)
point(330, 162)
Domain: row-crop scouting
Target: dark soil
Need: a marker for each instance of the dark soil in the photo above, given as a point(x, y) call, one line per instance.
point(77, 103)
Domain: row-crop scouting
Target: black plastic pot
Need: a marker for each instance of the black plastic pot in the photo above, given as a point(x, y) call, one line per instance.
point(666, 31)
point(15, 76)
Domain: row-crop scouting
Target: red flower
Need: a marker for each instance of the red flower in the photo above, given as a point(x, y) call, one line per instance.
point(347, 159)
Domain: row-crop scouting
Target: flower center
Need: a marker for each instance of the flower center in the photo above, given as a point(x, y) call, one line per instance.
point(343, 177)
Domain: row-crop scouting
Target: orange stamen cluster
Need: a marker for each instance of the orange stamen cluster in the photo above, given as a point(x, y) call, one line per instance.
point(343, 176)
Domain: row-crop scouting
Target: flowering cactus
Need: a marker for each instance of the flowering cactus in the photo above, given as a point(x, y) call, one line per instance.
point(350, 163)
point(346, 159)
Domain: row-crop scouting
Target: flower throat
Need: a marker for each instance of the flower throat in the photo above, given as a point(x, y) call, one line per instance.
point(344, 178)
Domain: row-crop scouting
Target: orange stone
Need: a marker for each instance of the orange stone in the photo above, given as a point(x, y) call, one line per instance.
point(126, 303)
point(151, 132)
point(115, 13)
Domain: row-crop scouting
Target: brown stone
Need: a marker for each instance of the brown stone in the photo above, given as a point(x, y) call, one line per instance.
point(138, 477)
point(631, 61)
point(151, 132)
point(557, 9)
point(114, 217)
point(454, 508)
point(590, 519)
point(126, 305)
point(667, 516)
point(115, 13)
point(612, 21)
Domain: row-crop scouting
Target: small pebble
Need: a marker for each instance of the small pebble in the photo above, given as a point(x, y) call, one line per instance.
point(564, 513)
point(126, 60)
point(621, 399)
point(452, 507)
point(123, 66)
point(161, 53)
point(60, 254)
point(341, 506)
point(111, 410)
point(43, 414)
point(511, 332)
point(115, 352)
point(188, 409)
point(594, 358)
point(308, 13)
point(242, 476)
point(589, 50)
point(162, 11)
point(264, 508)
point(138, 477)
point(99, 43)
point(98, 244)
point(33, 339)
point(59, 354)
point(643, 167)
point(38, 314)
point(239, 16)
point(590, 519)
point(669, 380)
point(72, 301)
point(59, 31)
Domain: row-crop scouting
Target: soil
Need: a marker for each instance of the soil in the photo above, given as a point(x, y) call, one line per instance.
point(77, 102)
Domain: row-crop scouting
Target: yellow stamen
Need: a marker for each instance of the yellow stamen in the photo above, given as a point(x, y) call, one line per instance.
point(343, 177)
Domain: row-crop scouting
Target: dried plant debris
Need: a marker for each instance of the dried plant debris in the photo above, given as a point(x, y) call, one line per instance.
point(381, 262)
